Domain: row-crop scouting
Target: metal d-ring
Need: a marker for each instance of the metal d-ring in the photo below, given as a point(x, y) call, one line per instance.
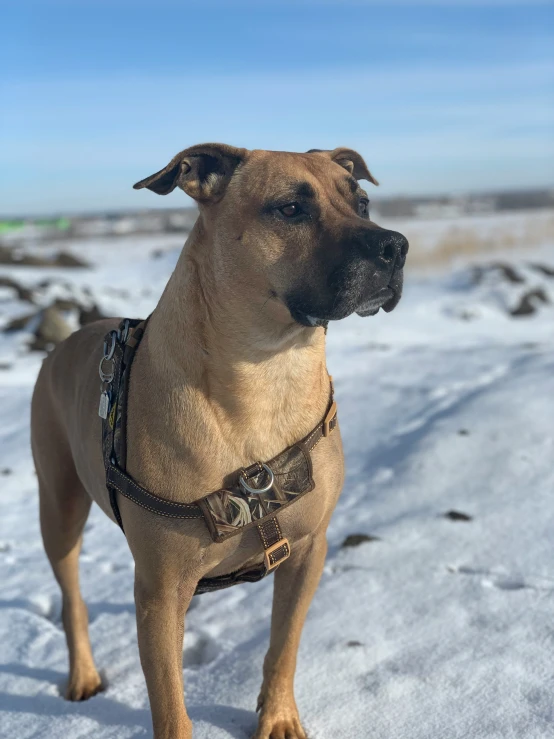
point(258, 491)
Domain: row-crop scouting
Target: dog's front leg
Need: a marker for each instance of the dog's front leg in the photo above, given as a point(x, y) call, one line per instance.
point(161, 601)
point(296, 581)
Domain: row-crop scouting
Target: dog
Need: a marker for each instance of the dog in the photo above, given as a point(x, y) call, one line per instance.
point(231, 370)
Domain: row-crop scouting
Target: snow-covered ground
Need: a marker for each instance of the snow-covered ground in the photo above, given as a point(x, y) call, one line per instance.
point(437, 628)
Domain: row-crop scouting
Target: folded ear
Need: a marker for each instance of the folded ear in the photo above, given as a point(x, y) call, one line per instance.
point(202, 171)
point(350, 160)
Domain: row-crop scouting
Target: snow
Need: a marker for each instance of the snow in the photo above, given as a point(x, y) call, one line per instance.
point(436, 628)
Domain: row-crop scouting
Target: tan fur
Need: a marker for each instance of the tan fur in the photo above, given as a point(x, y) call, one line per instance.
point(223, 377)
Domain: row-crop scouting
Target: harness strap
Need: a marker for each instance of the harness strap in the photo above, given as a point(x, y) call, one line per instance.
point(124, 484)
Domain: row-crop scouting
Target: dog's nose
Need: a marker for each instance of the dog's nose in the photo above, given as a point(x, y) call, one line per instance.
point(386, 247)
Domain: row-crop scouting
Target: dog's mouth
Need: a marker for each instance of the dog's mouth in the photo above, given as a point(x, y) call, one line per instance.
point(386, 299)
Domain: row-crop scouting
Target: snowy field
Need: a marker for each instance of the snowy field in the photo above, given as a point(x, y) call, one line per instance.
point(438, 626)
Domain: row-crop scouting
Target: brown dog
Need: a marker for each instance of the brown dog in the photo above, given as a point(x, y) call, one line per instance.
point(231, 370)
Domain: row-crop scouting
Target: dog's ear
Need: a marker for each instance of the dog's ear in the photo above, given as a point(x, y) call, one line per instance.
point(202, 171)
point(350, 160)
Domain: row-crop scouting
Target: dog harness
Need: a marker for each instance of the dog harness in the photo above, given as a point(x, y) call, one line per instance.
point(253, 498)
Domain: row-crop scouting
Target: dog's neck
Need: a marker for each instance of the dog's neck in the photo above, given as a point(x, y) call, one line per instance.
point(223, 347)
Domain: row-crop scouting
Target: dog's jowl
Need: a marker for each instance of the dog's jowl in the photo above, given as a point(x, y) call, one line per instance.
point(217, 449)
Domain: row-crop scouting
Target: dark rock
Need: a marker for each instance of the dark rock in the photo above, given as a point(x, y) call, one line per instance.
point(65, 259)
point(354, 643)
point(544, 269)
point(6, 471)
point(20, 322)
point(527, 304)
point(463, 432)
point(23, 293)
point(19, 257)
point(508, 272)
point(354, 540)
point(89, 315)
point(65, 304)
point(457, 516)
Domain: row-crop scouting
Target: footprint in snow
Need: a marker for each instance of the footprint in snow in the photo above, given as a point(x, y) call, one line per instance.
point(504, 582)
point(47, 606)
point(200, 649)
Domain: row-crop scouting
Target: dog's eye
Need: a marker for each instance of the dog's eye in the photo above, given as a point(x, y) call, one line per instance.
point(363, 208)
point(290, 210)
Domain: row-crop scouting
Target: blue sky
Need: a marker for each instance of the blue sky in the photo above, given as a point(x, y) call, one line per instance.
point(438, 96)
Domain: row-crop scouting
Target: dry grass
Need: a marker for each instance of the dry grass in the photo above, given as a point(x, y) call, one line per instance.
point(443, 243)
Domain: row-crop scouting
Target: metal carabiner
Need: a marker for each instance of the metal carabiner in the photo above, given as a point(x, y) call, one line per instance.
point(108, 353)
point(123, 334)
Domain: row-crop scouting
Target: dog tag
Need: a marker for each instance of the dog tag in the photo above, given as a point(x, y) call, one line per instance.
point(104, 405)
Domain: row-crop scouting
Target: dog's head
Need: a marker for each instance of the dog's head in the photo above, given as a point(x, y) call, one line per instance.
point(296, 226)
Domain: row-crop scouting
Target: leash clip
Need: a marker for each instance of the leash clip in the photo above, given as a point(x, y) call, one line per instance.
point(109, 351)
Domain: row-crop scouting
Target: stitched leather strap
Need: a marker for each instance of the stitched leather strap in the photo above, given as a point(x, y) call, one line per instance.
point(125, 485)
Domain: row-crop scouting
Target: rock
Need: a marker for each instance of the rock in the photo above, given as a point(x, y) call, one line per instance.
point(65, 259)
point(89, 315)
point(51, 329)
point(20, 322)
point(19, 257)
point(66, 304)
point(508, 272)
point(457, 516)
point(479, 272)
point(23, 293)
point(354, 540)
point(354, 643)
point(543, 269)
point(463, 432)
point(527, 303)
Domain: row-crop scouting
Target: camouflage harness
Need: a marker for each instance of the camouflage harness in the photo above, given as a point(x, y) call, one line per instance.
point(255, 496)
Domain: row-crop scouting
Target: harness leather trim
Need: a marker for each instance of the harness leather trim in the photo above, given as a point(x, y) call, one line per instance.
point(227, 511)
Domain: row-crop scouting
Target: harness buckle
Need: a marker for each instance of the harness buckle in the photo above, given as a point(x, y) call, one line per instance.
point(276, 553)
point(328, 418)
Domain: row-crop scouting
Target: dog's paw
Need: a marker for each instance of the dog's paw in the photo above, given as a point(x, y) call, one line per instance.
point(83, 684)
point(279, 727)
